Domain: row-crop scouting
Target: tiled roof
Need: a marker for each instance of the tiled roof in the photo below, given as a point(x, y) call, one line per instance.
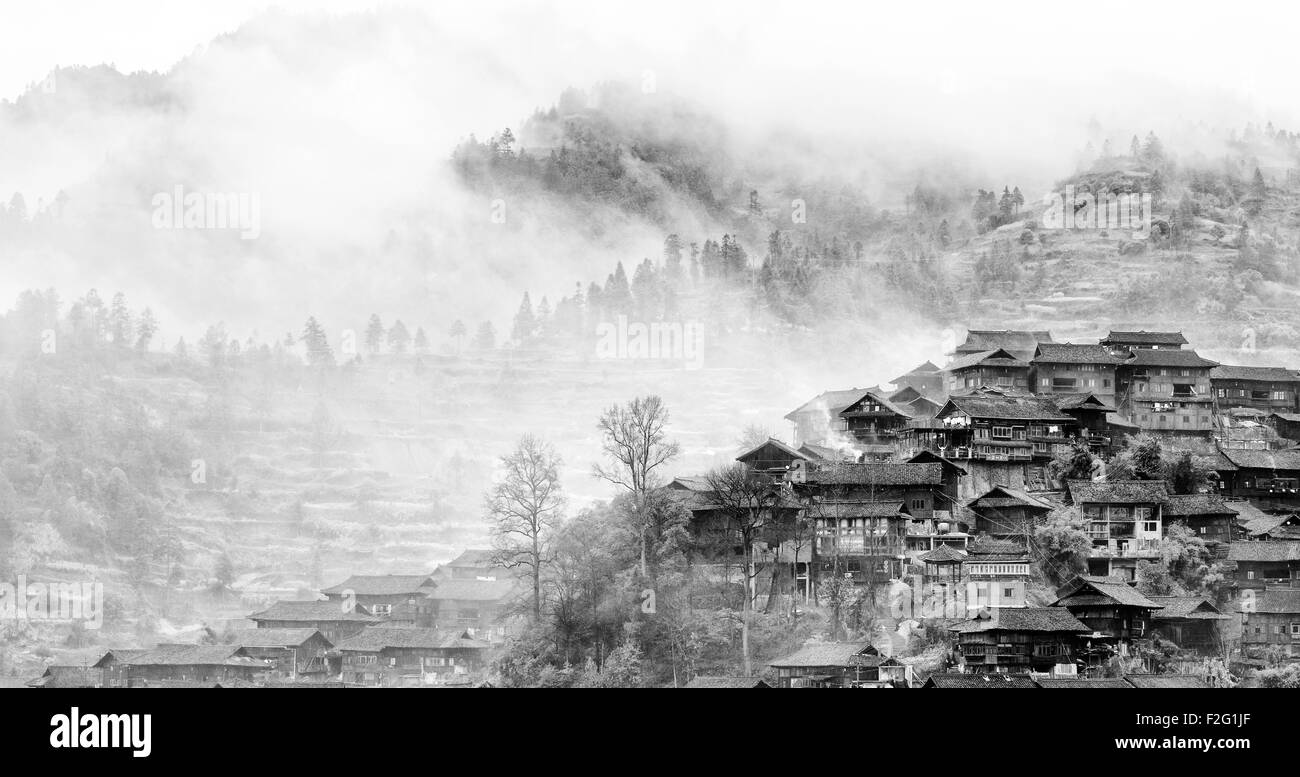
point(854, 508)
point(1153, 357)
point(1291, 417)
point(1166, 681)
point(925, 369)
point(381, 585)
point(1070, 353)
point(1082, 682)
point(473, 557)
point(942, 554)
point(831, 401)
point(473, 590)
point(311, 612)
point(265, 638)
point(1277, 601)
point(1197, 607)
point(1018, 408)
point(1142, 337)
point(188, 655)
point(376, 638)
point(979, 680)
point(879, 397)
point(1117, 491)
point(67, 677)
point(706, 681)
point(1120, 593)
point(1024, 340)
point(1264, 551)
point(1266, 374)
point(823, 453)
point(770, 442)
point(1015, 496)
point(989, 549)
point(881, 474)
point(1186, 505)
point(1085, 400)
point(1274, 460)
point(1023, 619)
point(997, 357)
point(828, 654)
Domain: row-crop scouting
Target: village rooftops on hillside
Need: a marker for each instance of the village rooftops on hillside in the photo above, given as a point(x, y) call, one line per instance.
point(1147, 357)
point(185, 655)
point(707, 681)
point(997, 357)
point(272, 638)
point(1021, 342)
point(1273, 460)
point(979, 680)
point(1264, 552)
point(1087, 591)
point(1178, 506)
point(1043, 619)
point(474, 590)
point(1189, 607)
point(926, 369)
point(829, 402)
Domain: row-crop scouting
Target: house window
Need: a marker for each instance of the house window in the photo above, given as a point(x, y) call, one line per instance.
point(1295, 630)
point(382, 609)
point(1007, 593)
point(1150, 527)
point(1002, 431)
point(918, 504)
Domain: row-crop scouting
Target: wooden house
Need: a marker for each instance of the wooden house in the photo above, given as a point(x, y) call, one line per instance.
point(1287, 425)
point(1261, 564)
point(1004, 512)
point(1018, 639)
point(335, 620)
point(291, 652)
point(1068, 368)
point(1116, 613)
point(874, 420)
point(1256, 525)
point(978, 680)
point(62, 676)
point(1270, 389)
point(828, 665)
point(771, 457)
point(1125, 522)
point(1167, 391)
point(476, 606)
point(1003, 440)
point(182, 663)
point(1020, 343)
point(818, 419)
point(1269, 479)
point(1190, 622)
point(725, 681)
point(393, 656)
point(385, 595)
point(997, 573)
point(996, 367)
point(1207, 515)
point(1271, 619)
point(926, 380)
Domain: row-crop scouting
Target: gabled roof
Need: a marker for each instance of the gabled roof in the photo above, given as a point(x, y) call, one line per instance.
point(312, 612)
point(879, 397)
point(1084, 588)
point(1289, 417)
point(1005, 496)
point(1258, 523)
point(943, 554)
point(1143, 337)
point(1264, 374)
point(1018, 340)
point(996, 357)
point(1039, 619)
point(986, 548)
point(855, 508)
point(830, 401)
point(878, 473)
point(1166, 681)
point(1193, 607)
point(817, 654)
point(706, 681)
point(1082, 401)
point(376, 638)
point(1010, 408)
point(1192, 505)
point(1159, 357)
point(1273, 601)
point(771, 442)
point(267, 638)
point(979, 680)
point(473, 557)
point(926, 369)
point(1071, 353)
point(1117, 491)
point(381, 585)
point(186, 655)
point(1273, 460)
point(930, 457)
point(823, 453)
point(57, 676)
point(1264, 552)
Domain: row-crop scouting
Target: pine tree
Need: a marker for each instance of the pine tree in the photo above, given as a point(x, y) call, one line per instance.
point(145, 331)
point(398, 338)
point(525, 323)
point(457, 333)
point(119, 321)
point(421, 341)
point(319, 353)
point(374, 335)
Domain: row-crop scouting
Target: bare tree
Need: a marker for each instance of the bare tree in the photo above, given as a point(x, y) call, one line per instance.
point(524, 508)
point(634, 442)
point(749, 501)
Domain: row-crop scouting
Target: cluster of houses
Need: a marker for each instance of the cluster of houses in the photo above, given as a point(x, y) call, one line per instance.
point(937, 483)
point(367, 631)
